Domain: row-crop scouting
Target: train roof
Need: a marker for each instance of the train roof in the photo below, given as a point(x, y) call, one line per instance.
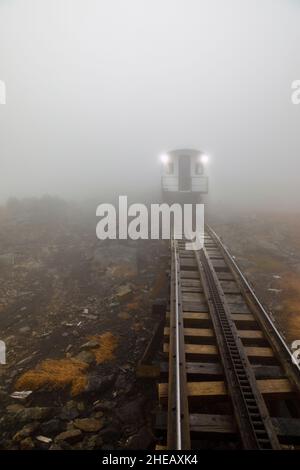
point(185, 152)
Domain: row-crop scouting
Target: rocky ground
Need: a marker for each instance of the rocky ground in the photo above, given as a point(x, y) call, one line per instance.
point(75, 315)
point(267, 247)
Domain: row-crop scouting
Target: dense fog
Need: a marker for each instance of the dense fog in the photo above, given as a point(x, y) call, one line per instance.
point(97, 90)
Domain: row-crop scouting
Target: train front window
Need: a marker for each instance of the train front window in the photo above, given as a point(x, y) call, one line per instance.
point(198, 168)
point(184, 173)
point(170, 168)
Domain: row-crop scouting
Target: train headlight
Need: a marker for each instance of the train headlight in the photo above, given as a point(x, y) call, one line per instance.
point(164, 158)
point(204, 159)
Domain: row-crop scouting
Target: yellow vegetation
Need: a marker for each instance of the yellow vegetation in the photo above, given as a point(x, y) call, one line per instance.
point(124, 315)
point(137, 326)
point(122, 271)
point(267, 263)
point(55, 374)
point(290, 283)
point(107, 345)
point(133, 306)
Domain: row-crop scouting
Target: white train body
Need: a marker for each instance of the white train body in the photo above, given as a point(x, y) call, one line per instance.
point(183, 171)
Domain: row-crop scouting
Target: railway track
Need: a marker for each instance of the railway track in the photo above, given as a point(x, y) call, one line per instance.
point(228, 379)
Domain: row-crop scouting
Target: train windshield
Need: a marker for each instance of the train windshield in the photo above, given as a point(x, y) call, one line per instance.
point(184, 173)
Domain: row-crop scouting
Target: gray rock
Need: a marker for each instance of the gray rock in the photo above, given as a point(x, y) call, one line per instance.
point(55, 447)
point(33, 414)
point(131, 412)
point(86, 356)
point(27, 444)
point(14, 408)
point(97, 383)
point(121, 382)
point(7, 259)
point(24, 330)
point(104, 405)
point(123, 292)
point(123, 257)
point(4, 398)
point(111, 433)
point(92, 442)
point(69, 411)
point(143, 439)
point(53, 426)
point(8, 421)
point(7, 444)
point(90, 344)
point(72, 436)
point(43, 439)
point(88, 424)
point(26, 431)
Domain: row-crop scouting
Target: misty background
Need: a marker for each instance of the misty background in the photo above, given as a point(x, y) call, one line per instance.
point(98, 89)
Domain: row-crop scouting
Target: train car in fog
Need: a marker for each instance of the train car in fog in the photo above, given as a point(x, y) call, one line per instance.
point(183, 175)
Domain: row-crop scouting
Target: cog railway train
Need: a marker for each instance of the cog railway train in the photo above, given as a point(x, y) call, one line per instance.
point(183, 175)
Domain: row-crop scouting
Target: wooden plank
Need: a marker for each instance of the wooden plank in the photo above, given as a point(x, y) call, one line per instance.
point(197, 368)
point(188, 263)
point(270, 387)
point(268, 372)
point(287, 427)
point(222, 276)
point(202, 349)
point(217, 263)
point(204, 315)
point(199, 332)
point(242, 317)
point(239, 308)
point(214, 388)
point(194, 297)
point(191, 289)
point(195, 307)
point(225, 424)
point(230, 287)
point(191, 282)
point(196, 315)
point(256, 351)
point(189, 274)
point(234, 299)
point(208, 332)
point(275, 386)
point(215, 369)
point(251, 351)
point(255, 334)
point(193, 315)
point(203, 423)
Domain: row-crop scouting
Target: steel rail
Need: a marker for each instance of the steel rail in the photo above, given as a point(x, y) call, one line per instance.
point(252, 417)
point(257, 301)
point(178, 410)
point(178, 388)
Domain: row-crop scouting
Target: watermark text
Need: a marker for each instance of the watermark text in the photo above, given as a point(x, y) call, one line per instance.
point(162, 221)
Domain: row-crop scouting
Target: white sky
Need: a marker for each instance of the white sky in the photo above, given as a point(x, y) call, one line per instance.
point(97, 89)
